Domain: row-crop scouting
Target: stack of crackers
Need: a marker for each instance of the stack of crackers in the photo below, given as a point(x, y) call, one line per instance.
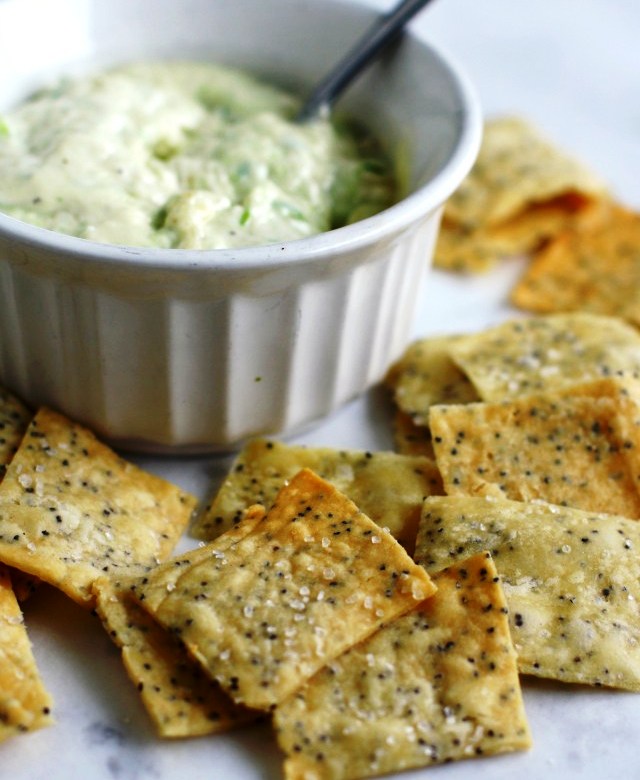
point(430, 680)
point(379, 608)
point(300, 605)
point(527, 197)
point(516, 485)
point(534, 427)
point(71, 512)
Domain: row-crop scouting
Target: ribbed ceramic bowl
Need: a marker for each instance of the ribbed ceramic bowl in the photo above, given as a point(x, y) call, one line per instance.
point(179, 350)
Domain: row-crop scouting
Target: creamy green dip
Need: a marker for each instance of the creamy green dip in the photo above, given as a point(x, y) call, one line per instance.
point(179, 154)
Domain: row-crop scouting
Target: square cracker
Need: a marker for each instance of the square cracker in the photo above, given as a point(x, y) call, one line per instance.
point(580, 448)
point(314, 577)
point(595, 270)
point(71, 510)
point(477, 249)
point(154, 585)
point(539, 354)
point(540, 222)
point(180, 698)
point(521, 190)
point(518, 167)
point(435, 685)
point(25, 704)
point(571, 579)
point(386, 486)
point(426, 375)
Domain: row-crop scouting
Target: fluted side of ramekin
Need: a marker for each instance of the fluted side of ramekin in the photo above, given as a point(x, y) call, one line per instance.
point(190, 351)
point(158, 372)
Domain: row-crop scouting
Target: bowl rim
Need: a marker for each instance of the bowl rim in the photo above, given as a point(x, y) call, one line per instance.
point(349, 238)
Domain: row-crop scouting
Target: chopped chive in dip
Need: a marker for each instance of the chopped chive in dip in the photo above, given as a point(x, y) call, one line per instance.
point(184, 155)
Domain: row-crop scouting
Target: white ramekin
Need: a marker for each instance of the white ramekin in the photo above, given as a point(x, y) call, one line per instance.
point(177, 350)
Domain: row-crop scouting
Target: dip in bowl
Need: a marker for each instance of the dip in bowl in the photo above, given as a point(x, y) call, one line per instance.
point(184, 155)
point(170, 349)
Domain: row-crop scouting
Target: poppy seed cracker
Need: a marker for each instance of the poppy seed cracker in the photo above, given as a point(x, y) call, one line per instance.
point(571, 579)
point(388, 487)
point(437, 684)
point(521, 190)
point(14, 420)
point(476, 249)
point(579, 448)
point(71, 510)
point(596, 270)
point(426, 375)
point(179, 697)
point(544, 353)
point(314, 577)
point(151, 588)
point(517, 167)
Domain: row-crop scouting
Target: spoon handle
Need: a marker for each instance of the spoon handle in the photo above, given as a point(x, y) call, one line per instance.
point(383, 31)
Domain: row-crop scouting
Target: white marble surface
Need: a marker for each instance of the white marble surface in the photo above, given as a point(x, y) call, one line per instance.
point(573, 67)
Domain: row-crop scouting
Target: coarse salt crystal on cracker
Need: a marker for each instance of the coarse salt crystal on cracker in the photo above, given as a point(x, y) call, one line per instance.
point(437, 684)
point(314, 577)
point(71, 510)
point(571, 579)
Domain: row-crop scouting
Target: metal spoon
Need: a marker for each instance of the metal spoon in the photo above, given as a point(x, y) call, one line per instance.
point(383, 32)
